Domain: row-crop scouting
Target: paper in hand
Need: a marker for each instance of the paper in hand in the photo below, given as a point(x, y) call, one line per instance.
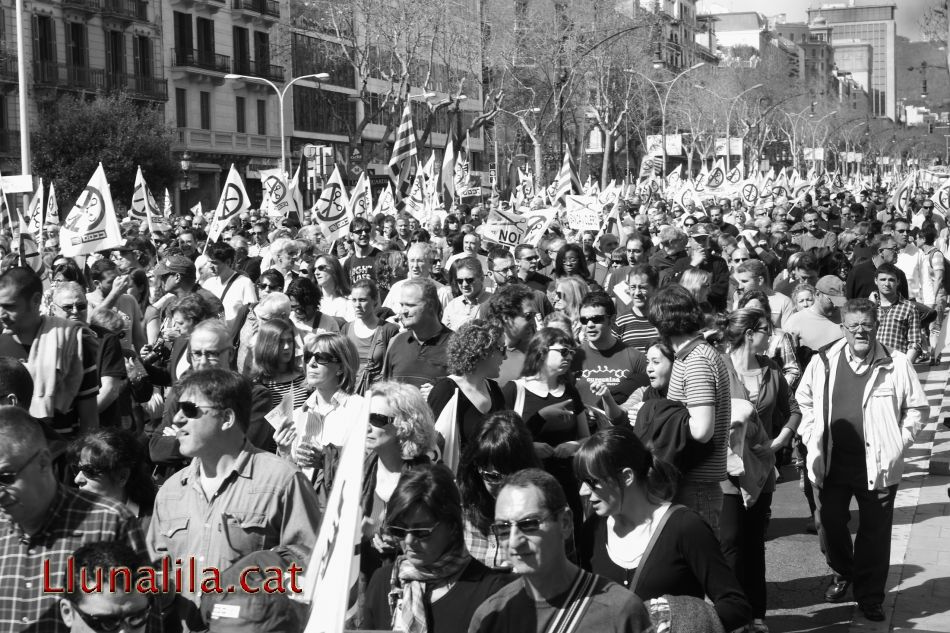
point(283, 413)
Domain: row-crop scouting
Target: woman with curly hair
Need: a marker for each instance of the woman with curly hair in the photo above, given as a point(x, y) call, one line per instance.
point(476, 352)
point(391, 266)
point(334, 286)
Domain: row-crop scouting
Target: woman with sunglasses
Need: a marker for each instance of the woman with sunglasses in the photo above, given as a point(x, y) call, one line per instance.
point(550, 405)
point(476, 352)
point(369, 333)
point(334, 287)
point(566, 296)
point(112, 463)
point(401, 437)
point(434, 584)
point(780, 347)
point(502, 446)
point(630, 494)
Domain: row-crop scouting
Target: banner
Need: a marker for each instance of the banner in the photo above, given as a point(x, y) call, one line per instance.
point(361, 199)
point(537, 223)
point(583, 212)
point(92, 225)
point(386, 204)
point(233, 201)
point(278, 202)
point(34, 215)
point(332, 208)
point(674, 144)
point(504, 227)
point(334, 565)
point(143, 204)
point(52, 209)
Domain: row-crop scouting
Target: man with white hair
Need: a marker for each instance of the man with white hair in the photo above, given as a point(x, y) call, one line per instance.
point(672, 249)
point(419, 261)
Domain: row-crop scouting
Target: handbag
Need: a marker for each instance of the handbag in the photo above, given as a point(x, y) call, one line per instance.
point(364, 383)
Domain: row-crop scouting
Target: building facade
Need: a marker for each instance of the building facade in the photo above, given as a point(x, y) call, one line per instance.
point(870, 23)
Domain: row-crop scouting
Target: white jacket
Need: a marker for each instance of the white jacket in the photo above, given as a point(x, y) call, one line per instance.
point(895, 409)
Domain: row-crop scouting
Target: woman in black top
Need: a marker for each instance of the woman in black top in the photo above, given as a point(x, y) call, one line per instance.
point(476, 352)
point(434, 575)
point(630, 495)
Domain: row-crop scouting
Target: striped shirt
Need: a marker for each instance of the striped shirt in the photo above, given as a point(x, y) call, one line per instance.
point(700, 378)
point(635, 331)
point(280, 389)
point(75, 518)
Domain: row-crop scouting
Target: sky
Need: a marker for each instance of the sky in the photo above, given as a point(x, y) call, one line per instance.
point(909, 12)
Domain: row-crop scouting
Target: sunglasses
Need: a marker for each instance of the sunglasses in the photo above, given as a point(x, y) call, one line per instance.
point(319, 359)
point(419, 533)
point(531, 525)
point(360, 231)
point(89, 471)
point(597, 319)
point(72, 307)
point(739, 260)
point(532, 258)
point(380, 421)
point(465, 280)
point(565, 352)
point(271, 287)
point(492, 477)
point(192, 411)
point(8, 479)
point(323, 268)
point(209, 354)
point(109, 623)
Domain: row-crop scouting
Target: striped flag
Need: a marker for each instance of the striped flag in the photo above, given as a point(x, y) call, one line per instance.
point(404, 150)
point(568, 181)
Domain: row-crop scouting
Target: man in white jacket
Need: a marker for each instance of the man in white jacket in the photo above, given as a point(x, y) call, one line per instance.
point(856, 449)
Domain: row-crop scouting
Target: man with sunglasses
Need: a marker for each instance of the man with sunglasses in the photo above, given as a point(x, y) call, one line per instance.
point(178, 276)
point(908, 257)
point(471, 284)
point(233, 498)
point(532, 522)
point(528, 260)
point(359, 265)
point(42, 524)
point(607, 369)
point(259, 240)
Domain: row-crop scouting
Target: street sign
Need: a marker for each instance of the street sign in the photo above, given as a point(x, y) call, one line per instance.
point(492, 174)
point(356, 156)
point(310, 150)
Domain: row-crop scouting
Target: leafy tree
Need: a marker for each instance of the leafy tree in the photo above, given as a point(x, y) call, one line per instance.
point(74, 135)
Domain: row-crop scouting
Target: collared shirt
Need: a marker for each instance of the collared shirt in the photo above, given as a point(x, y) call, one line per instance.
point(329, 424)
point(76, 518)
point(265, 501)
point(859, 365)
point(899, 326)
point(461, 310)
point(417, 362)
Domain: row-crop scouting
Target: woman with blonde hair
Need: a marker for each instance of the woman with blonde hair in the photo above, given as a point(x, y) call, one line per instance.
point(277, 362)
point(568, 292)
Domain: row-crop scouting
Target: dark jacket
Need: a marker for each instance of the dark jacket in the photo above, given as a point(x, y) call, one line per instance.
point(860, 283)
point(663, 425)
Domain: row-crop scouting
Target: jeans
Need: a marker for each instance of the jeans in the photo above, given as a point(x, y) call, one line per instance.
point(703, 497)
point(743, 545)
point(865, 561)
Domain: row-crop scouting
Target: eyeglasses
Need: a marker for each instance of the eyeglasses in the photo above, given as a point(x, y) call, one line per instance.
point(565, 352)
point(9, 478)
point(530, 525)
point(597, 319)
point(739, 260)
point(507, 269)
point(191, 410)
point(360, 231)
point(271, 287)
point(532, 258)
point(320, 359)
point(402, 533)
point(207, 354)
point(72, 307)
point(89, 471)
point(467, 281)
point(858, 327)
point(323, 268)
point(109, 623)
point(492, 477)
point(380, 421)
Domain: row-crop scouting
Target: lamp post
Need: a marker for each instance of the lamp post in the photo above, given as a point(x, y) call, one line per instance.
point(663, 100)
point(281, 93)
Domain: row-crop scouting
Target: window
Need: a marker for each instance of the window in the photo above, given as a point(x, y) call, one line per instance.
point(242, 51)
point(262, 117)
point(240, 113)
point(205, 110)
point(77, 45)
point(181, 107)
point(142, 56)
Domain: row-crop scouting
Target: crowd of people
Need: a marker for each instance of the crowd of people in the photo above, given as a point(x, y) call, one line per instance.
point(622, 402)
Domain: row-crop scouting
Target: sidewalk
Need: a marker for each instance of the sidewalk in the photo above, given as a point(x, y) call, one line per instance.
point(918, 584)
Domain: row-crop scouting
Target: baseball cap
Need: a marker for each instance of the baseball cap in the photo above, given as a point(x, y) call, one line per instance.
point(833, 288)
point(178, 264)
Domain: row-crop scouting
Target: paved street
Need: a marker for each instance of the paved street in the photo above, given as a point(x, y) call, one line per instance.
point(919, 583)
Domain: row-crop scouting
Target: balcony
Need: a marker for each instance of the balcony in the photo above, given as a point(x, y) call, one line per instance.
point(138, 86)
point(83, 5)
point(265, 10)
point(9, 143)
point(227, 142)
point(8, 68)
point(56, 75)
point(126, 9)
point(204, 62)
point(212, 6)
point(257, 68)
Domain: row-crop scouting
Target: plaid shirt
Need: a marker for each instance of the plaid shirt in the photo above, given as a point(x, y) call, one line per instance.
point(76, 518)
point(899, 326)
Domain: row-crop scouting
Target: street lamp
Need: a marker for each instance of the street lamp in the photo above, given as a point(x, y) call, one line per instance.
point(663, 101)
point(280, 100)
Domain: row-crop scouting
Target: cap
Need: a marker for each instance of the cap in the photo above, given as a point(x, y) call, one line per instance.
point(135, 244)
point(833, 288)
point(178, 264)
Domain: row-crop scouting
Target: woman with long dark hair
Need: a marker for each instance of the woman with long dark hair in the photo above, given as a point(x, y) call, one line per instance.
point(277, 363)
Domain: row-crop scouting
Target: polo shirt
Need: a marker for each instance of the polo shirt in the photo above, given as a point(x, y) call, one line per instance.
point(417, 362)
point(461, 310)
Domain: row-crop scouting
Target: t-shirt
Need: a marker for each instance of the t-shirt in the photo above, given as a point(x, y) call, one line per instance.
point(636, 331)
point(612, 609)
point(622, 368)
point(361, 267)
point(417, 362)
point(111, 363)
point(240, 292)
point(813, 330)
point(699, 378)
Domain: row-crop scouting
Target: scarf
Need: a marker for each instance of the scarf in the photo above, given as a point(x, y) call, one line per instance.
point(407, 596)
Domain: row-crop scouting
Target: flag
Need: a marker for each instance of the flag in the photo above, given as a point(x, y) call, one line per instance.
point(34, 215)
point(28, 249)
point(736, 174)
point(386, 204)
point(361, 199)
point(52, 209)
point(447, 175)
point(649, 166)
point(332, 208)
point(167, 207)
point(278, 199)
point(143, 204)
point(197, 210)
point(941, 198)
point(526, 184)
point(233, 202)
point(92, 225)
point(903, 194)
point(447, 427)
point(404, 150)
point(334, 563)
point(460, 174)
point(296, 196)
point(416, 201)
point(716, 177)
point(568, 181)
